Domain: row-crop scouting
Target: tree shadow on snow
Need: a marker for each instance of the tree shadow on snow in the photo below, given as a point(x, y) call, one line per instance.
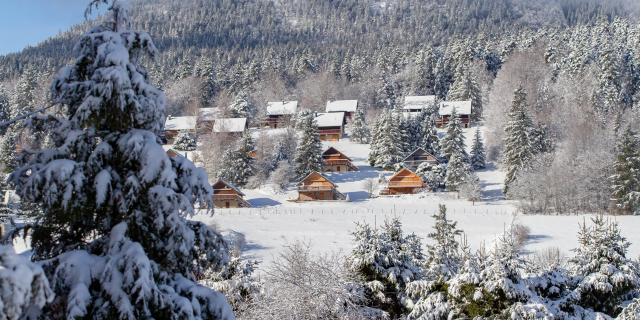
point(358, 196)
point(263, 202)
point(364, 172)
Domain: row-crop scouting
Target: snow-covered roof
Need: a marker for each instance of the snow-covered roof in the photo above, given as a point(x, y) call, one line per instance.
point(229, 185)
point(342, 106)
point(208, 114)
point(180, 123)
point(279, 108)
point(462, 107)
point(418, 102)
point(229, 125)
point(330, 119)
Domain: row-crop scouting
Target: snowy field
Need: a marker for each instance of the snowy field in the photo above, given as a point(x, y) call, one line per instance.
point(327, 226)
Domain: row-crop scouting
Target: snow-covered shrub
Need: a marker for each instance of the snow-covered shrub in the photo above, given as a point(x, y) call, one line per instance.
point(281, 177)
point(24, 288)
point(112, 235)
point(302, 286)
point(386, 260)
point(185, 142)
point(470, 188)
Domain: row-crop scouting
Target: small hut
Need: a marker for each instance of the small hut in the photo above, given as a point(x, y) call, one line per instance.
point(279, 113)
point(349, 107)
point(226, 195)
point(336, 161)
point(463, 109)
point(418, 103)
point(404, 181)
point(330, 125)
point(173, 126)
point(317, 187)
point(418, 157)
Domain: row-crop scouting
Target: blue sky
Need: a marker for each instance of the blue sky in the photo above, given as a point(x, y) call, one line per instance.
point(28, 22)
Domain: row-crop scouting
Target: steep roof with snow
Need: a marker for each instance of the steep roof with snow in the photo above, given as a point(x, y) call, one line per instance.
point(222, 184)
point(229, 125)
point(418, 102)
point(279, 108)
point(330, 119)
point(208, 114)
point(180, 123)
point(462, 107)
point(342, 106)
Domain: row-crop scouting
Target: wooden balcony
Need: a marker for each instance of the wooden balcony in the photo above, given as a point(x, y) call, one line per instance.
point(226, 197)
point(408, 184)
point(314, 188)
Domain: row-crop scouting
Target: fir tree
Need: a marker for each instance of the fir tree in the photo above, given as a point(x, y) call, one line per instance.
point(517, 145)
point(5, 108)
point(453, 141)
point(465, 87)
point(605, 276)
point(112, 233)
point(471, 189)
point(359, 130)
point(477, 152)
point(626, 179)
point(237, 164)
point(443, 253)
point(185, 142)
point(457, 172)
point(430, 141)
point(308, 156)
point(241, 108)
point(387, 147)
point(386, 260)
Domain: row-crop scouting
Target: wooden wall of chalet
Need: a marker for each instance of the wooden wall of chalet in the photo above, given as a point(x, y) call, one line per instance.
point(316, 187)
point(404, 182)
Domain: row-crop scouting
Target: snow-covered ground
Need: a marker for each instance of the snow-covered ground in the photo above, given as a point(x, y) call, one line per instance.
point(327, 226)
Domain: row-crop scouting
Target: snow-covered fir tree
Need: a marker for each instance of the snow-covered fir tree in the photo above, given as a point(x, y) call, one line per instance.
point(478, 157)
point(8, 145)
point(387, 145)
point(237, 164)
point(626, 179)
point(386, 260)
point(605, 277)
point(308, 156)
point(360, 132)
point(5, 108)
point(24, 288)
point(430, 141)
point(113, 235)
point(442, 263)
point(185, 141)
point(241, 107)
point(465, 87)
point(517, 145)
point(457, 172)
point(433, 175)
point(387, 95)
point(453, 141)
point(443, 253)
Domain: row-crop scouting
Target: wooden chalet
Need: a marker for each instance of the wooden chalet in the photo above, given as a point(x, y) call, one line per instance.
point(206, 119)
point(418, 103)
point(316, 187)
point(225, 195)
point(463, 109)
point(279, 113)
point(418, 157)
point(349, 107)
point(232, 126)
point(330, 125)
point(173, 126)
point(404, 181)
point(336, 161)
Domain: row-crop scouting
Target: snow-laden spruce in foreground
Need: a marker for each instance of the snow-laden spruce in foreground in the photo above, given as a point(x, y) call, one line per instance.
point(112, 237)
